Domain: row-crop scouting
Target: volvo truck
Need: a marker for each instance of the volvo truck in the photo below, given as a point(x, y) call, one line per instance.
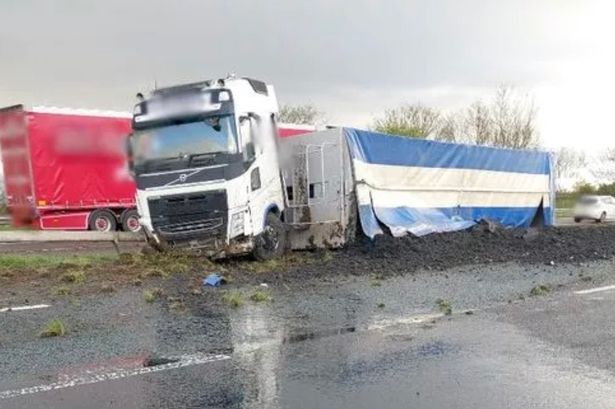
point(205, 162)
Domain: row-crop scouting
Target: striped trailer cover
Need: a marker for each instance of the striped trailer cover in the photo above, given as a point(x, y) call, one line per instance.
point(420, 187)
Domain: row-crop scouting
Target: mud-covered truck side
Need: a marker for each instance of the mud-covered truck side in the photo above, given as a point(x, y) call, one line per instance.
point(213, 174)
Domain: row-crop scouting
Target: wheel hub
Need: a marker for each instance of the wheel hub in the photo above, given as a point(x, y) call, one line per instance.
point(133, 224)
point(102, 224)
point(271, 238)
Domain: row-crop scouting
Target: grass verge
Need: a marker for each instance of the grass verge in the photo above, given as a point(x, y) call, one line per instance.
point(37, 261)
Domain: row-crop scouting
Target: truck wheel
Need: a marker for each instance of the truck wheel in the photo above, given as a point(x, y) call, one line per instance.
point(102, 220)
point(271, 243)
point(130, 221)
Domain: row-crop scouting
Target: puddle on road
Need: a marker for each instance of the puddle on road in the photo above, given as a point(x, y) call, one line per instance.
point(304, 336)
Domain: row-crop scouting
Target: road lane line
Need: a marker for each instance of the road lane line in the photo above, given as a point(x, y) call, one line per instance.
point(595, 290)
point(24, 308)
point(184, 361)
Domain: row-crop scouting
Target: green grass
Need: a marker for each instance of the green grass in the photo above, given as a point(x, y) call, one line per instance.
point(73, 277)
point(375, 279)
point(36, 261)
point(233, 299)
point(568, 212)
point(444, 306)
point(54, 328)
point(539, 290)
point(150, 296)
point(260, 296)
point(566, 200)
point(62, 291)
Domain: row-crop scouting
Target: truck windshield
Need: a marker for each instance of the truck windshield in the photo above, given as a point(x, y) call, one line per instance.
point(213, 135)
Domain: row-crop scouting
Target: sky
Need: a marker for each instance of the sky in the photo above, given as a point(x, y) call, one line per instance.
point(352, 59)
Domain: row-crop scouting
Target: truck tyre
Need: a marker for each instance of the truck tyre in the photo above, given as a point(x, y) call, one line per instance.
point(102, 220)
point(271, 243)
point(130, 221)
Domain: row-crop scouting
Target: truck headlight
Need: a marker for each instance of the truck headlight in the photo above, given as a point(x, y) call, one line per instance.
point(237, 224)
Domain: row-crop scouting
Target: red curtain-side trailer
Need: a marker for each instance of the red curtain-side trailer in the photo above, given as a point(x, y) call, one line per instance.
point(65, 169)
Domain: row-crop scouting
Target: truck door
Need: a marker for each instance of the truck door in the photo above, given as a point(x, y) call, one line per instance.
point(315, 184)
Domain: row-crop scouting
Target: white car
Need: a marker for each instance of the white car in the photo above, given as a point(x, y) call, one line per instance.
point(598, 208)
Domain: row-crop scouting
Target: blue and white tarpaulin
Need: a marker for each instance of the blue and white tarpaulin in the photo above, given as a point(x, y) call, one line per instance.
point(418, 186)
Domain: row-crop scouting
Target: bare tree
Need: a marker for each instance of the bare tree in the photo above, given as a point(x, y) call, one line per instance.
point(451, 128)
point(306, 114)
point(568, 163)
point(603, 167)
point(508, 121)
point(415, 121)
point(477, 123)
point(514, 119)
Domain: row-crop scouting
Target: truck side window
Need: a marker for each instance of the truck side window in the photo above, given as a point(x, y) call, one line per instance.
point(247, 142)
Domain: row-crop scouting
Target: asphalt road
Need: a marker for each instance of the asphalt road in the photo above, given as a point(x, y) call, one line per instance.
point(334, 348)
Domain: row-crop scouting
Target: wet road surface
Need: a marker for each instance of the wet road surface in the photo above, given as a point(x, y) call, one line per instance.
point(550, 352)
point(341, 344)
point(544, 352)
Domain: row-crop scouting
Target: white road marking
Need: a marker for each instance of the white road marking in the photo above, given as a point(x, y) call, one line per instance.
point(596, 290)
point(184, 361)
point(24, 308)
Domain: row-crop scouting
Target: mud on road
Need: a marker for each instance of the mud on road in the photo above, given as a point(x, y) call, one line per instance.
point(389, 256)
point(384, 257)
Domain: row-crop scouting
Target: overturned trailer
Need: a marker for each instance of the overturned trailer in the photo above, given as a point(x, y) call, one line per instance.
point(406, 186)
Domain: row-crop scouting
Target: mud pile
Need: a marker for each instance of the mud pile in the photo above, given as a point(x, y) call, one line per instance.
point(387, 255)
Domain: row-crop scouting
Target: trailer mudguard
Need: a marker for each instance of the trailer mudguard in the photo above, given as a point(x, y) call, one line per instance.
point(419, 186)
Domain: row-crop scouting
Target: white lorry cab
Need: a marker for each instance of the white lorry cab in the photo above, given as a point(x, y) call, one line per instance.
point(205, 162)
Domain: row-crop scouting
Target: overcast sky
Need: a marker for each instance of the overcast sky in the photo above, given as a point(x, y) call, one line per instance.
point(352, 59)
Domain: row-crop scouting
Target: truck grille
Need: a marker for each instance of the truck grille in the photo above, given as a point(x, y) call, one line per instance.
point(187, 216)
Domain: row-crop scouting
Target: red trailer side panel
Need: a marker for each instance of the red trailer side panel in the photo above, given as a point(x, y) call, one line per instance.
point(78, 161)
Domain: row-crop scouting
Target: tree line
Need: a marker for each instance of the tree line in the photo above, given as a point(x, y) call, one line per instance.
point(508, 119)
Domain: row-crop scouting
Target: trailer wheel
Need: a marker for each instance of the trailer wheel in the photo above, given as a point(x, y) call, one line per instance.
point(271, 243)
point(130, 221)
point(102, 220)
